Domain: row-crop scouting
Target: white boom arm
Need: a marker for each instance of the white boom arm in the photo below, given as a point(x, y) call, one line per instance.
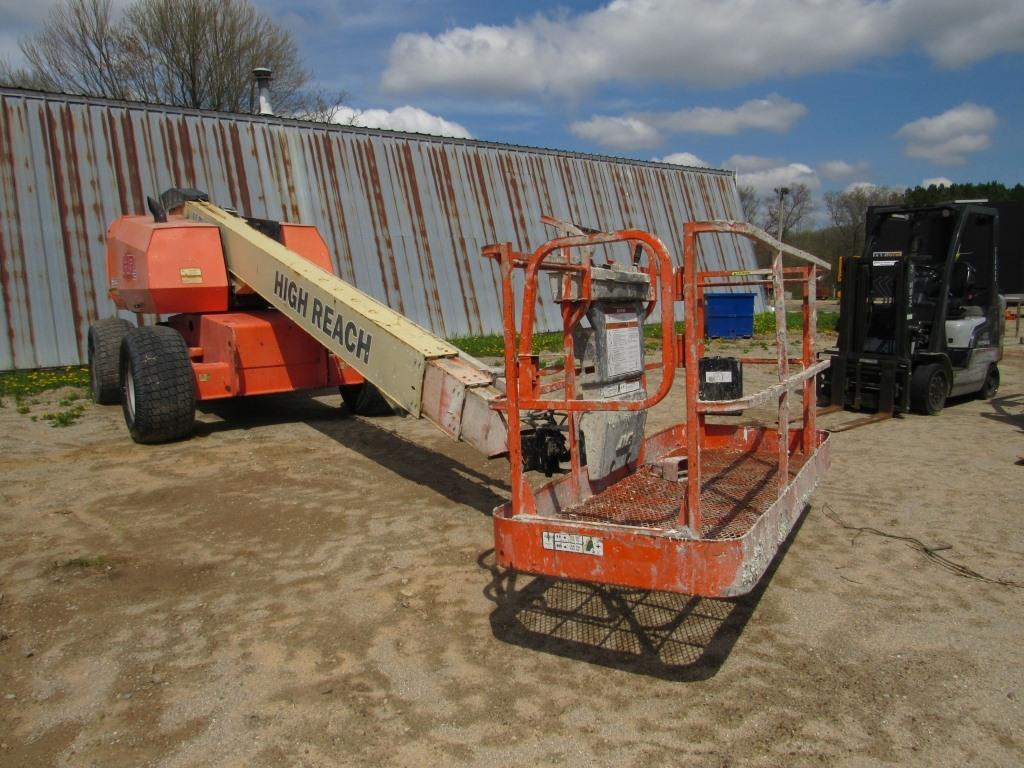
point(424, 374)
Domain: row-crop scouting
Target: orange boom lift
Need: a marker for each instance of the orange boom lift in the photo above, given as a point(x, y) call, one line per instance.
point(699, 508)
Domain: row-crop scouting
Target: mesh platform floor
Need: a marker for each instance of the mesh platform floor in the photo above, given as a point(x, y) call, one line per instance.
point(738, 487)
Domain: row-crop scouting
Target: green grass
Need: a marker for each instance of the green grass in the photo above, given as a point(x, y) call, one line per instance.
point(764, 325)
point(493, 345)
point(22, 383)
point(65, 418)
point(764, 322)
point(81, 563)
point(653, 330)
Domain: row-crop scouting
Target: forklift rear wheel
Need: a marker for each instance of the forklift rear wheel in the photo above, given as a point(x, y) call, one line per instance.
point(991, 386)
point(928, 389)
point(365, 400)
point(105, 337)
point(158, 391)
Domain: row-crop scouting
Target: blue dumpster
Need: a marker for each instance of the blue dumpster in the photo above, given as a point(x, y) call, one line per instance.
point(729, 315)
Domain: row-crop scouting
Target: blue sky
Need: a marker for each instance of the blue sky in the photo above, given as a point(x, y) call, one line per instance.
point(827, 92)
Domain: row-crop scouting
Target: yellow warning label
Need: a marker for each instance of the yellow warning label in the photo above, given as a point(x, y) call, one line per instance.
point(191, 275)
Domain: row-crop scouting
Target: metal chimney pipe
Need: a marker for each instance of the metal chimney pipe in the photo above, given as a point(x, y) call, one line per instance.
point(263, 77)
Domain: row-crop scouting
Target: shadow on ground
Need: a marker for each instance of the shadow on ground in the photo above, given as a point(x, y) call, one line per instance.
point(368, 437)
point(1008, 409)
point(660, 634)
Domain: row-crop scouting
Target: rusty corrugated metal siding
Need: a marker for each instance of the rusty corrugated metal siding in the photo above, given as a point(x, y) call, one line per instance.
point(404, 215)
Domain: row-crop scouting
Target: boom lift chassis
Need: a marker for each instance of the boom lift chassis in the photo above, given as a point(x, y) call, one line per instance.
point(699, 508)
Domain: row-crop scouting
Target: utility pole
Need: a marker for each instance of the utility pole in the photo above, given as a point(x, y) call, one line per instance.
point(780, 310)
point(782, 192)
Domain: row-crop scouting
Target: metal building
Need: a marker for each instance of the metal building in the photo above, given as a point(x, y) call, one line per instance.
point(404, 215)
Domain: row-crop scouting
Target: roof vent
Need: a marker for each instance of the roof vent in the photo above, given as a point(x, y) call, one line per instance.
point(263, 77)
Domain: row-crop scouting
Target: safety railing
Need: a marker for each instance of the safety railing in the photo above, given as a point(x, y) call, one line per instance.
point(523, 388)
point(692, 289)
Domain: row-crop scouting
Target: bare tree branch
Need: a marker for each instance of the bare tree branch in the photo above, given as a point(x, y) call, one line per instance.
point(848, 212)
point(80, 49)
point(192, 53)
point(324, 109)
point(750, 204)
point(798, 206)
point(201, 54)
point(20, 77)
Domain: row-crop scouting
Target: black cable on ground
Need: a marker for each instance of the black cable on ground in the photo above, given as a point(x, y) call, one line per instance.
point(932, 553)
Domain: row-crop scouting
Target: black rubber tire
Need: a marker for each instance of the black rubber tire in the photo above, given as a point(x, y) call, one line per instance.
point(105, 337)
point(991, 386)
point(822, 389)
point(365, 400)
point(929, 387)
point(158, 390)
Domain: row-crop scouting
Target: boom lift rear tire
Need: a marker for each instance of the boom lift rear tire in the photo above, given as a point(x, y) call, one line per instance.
point(105, 337)
point(159, 394)
point(365, 400)
point(929, 387)
point(991, 386)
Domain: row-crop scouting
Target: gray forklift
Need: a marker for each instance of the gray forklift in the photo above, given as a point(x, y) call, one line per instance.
point(920, 317)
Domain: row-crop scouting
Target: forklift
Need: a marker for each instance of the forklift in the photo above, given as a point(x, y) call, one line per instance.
point(920, 315)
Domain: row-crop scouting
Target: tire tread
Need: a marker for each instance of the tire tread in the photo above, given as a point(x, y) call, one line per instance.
point(365, 400)
point(105, 337)
point(920, 386)
point(165, 395)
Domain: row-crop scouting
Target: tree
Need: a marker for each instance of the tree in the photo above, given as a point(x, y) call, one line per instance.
point(763, 211)
point(797, 207)
point(20, 77)
point(80, 49)
point(993, 191)
point(201, 54)
point(191, 53)
point(750, 204)
point(848, 212)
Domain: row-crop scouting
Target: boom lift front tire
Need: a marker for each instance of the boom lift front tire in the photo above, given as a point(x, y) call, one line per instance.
point(159, 394)
point(365, 400)
point(105, 337)
point(991, 386)
point(929, 387)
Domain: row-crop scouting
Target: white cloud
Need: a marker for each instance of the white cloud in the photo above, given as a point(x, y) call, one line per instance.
point(411, 119)
point(866, 186)
point(938, 181)
point(647, 129)
point(948, 138)
point(752, 163)
point(683, 158)
point(697, 42)
point(785, 175)
point(840, 169)
point(774, 113)
point(626, 133)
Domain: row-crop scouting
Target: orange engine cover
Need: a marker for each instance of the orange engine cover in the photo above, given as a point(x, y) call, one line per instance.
point(256, 352)
point(305, 240)
point(176, 266)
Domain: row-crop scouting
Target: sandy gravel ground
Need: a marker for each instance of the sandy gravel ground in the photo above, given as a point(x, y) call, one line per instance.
point(298, 587)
